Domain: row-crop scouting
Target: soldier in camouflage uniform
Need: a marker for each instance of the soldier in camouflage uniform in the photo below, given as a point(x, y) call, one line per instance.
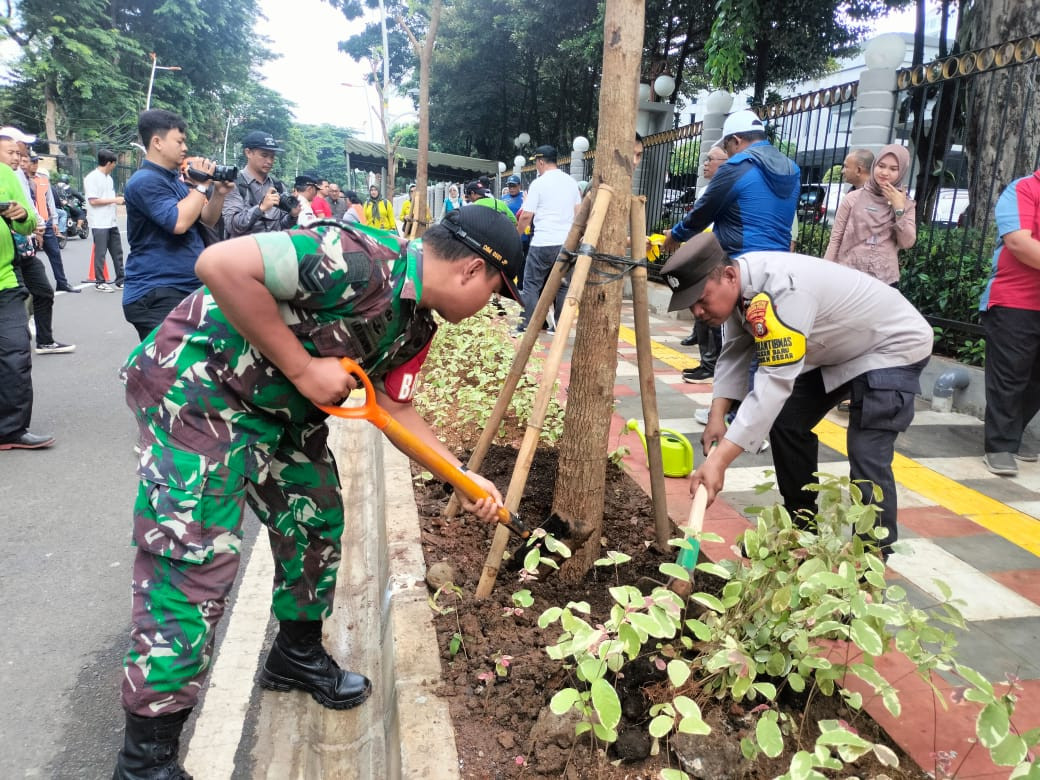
point(224, 393)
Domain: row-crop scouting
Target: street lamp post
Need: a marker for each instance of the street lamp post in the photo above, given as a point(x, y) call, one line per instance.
point(151, 79)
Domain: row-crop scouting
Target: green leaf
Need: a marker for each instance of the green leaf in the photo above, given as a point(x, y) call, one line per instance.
point(563, 701)
point(550, 616)
point(768, 690)
point(606, 703)
point(711, 602)
point(661, 725)
point(767, 732)
point(866, 638)
point(694, 725)
point(687, 707)
point(993, 725)
point(886, 755)
point(698, 629)
point(674, 774)
point(802, 766)
point(715, 570)
point(647, 624)
point(532, 559)
point(674, 570)
point(1010, 751)
point(678, 672)
point(1030, 771)
point(781, 601)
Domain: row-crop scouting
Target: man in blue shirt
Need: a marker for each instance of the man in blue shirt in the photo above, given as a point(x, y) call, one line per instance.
point(163, 209)
point(752, 197)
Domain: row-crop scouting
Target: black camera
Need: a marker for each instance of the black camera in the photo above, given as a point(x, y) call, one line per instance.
point(287, 202)
point(220, 172)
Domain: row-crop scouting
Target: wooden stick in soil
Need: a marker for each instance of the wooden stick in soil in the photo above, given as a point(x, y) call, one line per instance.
point(526, 346)
point(647, 384)
point(551, 369)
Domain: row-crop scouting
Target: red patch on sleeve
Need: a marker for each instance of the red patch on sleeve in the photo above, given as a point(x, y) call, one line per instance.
point(399, 383)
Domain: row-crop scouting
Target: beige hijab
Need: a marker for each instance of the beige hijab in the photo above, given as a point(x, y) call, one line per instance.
point(879, 217)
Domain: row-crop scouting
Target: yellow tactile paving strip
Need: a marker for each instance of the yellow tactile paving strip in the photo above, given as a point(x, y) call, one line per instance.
point(1017, 527)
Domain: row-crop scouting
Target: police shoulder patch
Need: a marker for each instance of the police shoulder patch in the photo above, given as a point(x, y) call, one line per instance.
point(775, 343)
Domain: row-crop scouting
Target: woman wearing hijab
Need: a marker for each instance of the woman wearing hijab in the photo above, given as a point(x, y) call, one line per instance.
point(453, 201)
point(875, 222)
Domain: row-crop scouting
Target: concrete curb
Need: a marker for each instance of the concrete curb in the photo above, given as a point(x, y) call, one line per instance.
point(382, 626)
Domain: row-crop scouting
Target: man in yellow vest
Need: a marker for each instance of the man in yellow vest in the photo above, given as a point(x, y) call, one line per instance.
point(379, 212)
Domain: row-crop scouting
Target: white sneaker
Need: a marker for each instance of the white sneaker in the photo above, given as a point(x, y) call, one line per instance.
point(701, 416)
point(102, 287)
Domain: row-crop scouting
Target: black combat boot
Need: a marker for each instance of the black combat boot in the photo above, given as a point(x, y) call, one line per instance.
point(298, 660)
point(150, 748)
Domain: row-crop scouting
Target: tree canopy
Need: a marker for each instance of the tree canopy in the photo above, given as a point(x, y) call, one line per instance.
point(503, 67)
point(84, 68)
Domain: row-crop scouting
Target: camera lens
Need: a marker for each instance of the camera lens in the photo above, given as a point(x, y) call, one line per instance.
point(287, 202)
point(225, 173)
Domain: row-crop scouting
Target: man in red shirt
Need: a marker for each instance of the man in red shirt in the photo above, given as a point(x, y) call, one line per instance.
point(320, 204)
point(1011, 317)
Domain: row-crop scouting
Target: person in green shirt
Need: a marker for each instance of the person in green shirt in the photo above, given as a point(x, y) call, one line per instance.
point(16, 392)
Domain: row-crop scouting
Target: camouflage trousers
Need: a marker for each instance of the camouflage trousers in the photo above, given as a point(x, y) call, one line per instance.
point(188, 532)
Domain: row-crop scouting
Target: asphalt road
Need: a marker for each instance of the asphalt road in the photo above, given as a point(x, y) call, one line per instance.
point(64, 564)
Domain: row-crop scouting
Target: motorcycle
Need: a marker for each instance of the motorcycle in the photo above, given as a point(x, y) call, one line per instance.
point(71, 203)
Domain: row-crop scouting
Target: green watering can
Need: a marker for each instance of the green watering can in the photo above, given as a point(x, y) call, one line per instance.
point(676, 450)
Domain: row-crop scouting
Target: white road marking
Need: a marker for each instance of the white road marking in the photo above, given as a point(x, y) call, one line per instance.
point(922, 562)
point(218, 729)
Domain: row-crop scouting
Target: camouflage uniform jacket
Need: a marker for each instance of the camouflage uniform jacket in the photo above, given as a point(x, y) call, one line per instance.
point(198, 384)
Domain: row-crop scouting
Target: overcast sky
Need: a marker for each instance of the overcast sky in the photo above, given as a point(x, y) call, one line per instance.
point(312, 69)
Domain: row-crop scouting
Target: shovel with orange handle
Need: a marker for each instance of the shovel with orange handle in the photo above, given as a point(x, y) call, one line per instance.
point(416, 449)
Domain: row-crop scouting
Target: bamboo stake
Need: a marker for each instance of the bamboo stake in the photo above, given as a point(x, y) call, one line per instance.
point(647, 384)
point(526, 346)
point(551, 370)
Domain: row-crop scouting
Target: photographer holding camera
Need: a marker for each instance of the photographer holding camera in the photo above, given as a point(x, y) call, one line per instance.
point(166, 198)
point(259, 202)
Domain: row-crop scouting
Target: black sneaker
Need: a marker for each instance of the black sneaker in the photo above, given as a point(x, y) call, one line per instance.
point(699, 374)
point(689, 341)
point(55, 348)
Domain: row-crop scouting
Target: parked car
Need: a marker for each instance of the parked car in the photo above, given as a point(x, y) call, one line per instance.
point(950, 206)
point(818, 203)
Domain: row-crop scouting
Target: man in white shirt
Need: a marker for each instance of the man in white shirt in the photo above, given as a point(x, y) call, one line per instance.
point(100, 192)
point(552, 200)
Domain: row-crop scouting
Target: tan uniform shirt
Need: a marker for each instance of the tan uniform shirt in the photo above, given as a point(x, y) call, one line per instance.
point(799, 313)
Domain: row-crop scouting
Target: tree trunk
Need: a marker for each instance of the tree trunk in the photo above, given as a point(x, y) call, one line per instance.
point(583, 450)
point(50, 120)
point(424, 53)
point(1003, 130)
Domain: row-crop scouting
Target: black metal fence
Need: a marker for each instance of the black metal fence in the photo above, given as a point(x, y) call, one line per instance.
point(972, 124)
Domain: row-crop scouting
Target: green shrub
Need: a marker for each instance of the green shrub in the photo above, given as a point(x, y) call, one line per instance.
point(464, 373)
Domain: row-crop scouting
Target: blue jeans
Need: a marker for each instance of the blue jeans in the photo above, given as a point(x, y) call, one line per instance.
point(53, 251)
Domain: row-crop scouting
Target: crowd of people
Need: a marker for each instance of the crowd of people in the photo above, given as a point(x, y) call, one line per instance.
point(245, 294)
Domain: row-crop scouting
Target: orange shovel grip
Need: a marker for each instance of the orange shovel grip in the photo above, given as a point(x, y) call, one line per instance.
point(415, 448)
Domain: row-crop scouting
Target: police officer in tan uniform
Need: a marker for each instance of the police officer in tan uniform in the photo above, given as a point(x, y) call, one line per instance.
point(820, 331)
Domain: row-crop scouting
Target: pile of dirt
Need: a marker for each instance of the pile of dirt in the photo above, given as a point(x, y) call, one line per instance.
point(503, 728)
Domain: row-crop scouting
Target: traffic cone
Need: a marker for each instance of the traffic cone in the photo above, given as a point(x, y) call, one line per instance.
point(90, 269)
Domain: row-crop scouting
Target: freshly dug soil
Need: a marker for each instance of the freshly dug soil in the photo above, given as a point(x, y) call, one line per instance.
point(496, 718)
